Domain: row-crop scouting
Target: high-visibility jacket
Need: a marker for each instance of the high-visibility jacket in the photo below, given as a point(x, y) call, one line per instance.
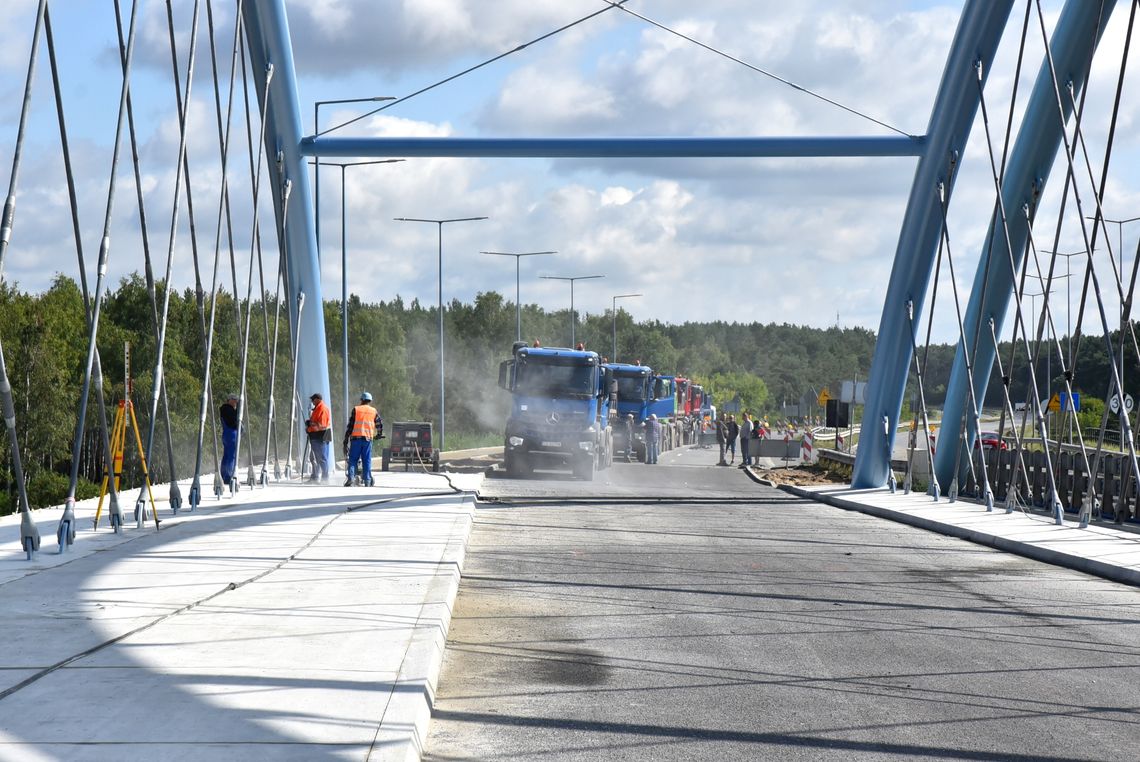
point(320, 419)
point(364, 421)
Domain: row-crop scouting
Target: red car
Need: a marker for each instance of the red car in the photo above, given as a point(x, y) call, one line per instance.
point(989, 440)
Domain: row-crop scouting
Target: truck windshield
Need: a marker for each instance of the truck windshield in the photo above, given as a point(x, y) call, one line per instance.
point(631, 388)
point(555, 377)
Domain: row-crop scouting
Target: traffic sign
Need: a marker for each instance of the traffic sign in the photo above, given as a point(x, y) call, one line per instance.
point(824, 396)
point(1114, 403)
point(1055, 403)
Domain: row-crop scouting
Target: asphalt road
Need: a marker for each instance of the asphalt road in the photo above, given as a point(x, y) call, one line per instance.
point(619, 620)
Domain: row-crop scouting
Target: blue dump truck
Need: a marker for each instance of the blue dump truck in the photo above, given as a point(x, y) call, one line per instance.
point(641, 393)
point(560, 411)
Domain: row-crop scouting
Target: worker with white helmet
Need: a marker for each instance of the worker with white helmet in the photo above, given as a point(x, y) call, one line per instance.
point(364, 425)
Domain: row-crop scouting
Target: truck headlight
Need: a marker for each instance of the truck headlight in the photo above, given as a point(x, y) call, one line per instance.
point(514, 441)
point(586, 446)
point(591, 429)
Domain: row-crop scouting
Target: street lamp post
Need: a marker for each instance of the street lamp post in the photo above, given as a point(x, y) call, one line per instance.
point(1120, 277)
point(317, 222)
point(614, 311)
point(573, 321)
point(439, 224)
point(1048, 359)
point(1068, 295)
point(518, 303)
point(1068, 317)
point(1048, 354)
point(344, 260)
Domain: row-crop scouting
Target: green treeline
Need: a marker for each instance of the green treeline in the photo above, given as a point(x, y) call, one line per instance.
point(393, 353)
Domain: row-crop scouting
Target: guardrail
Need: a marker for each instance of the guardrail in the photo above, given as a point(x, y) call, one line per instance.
point(848, 459)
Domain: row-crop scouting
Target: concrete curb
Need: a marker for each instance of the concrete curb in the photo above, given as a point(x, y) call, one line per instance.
point(472, 453)
point(404, 729)
point(1027, 549)
point(759, 479)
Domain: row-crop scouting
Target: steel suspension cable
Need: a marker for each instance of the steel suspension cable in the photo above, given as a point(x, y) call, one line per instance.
point(148, 269)
point(1033, 396)
point(918, 373)
point(468, 70)
point(1126, 300)
point(1019, 467)
point(295, 337)
point(224, 137)
point(1098, 222)
point(114, 511)
point(1003, 218)
point(199, 291)
point(757, 69)
point(254, 253)
point(1001, 174)
point(943, 201)
point(256, 181)
point(1047, 313)
point(195, 490)
point(29, 533)
point(233, 483)
point(181, 169)
point(1098, 195)
point(1126, 426)
point(286, 192)
point(1100, 454)
point(1011, 491)
point(295, 403)
point(263, 477)
point(65, 533)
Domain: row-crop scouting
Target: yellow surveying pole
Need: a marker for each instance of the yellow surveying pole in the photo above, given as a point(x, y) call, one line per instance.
point(118, 439)
point(126, 409)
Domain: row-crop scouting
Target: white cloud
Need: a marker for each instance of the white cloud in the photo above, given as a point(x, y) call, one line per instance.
point(700, 238)
point(617, 196)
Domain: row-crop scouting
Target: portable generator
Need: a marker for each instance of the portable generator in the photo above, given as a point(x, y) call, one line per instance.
point(412, 442)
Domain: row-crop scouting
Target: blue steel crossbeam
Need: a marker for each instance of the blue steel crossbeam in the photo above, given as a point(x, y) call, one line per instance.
point(616, 147)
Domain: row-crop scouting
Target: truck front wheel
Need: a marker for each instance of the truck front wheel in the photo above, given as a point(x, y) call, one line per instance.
point(584, 468)
point(515, 463)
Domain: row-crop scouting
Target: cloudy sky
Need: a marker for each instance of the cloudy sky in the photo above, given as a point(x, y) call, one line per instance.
point(799, 241)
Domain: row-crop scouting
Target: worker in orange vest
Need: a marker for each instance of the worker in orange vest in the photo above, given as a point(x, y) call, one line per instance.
point(319, 427)
point(364, 425)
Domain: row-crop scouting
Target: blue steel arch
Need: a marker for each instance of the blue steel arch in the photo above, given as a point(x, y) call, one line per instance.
point(978, 34)
point(976, 41)
point(267, 34)
point(1078, 31)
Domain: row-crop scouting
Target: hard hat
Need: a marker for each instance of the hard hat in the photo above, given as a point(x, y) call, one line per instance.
point(365, 397)
point(653, 416)
point(629, 415)
point(231, 397)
